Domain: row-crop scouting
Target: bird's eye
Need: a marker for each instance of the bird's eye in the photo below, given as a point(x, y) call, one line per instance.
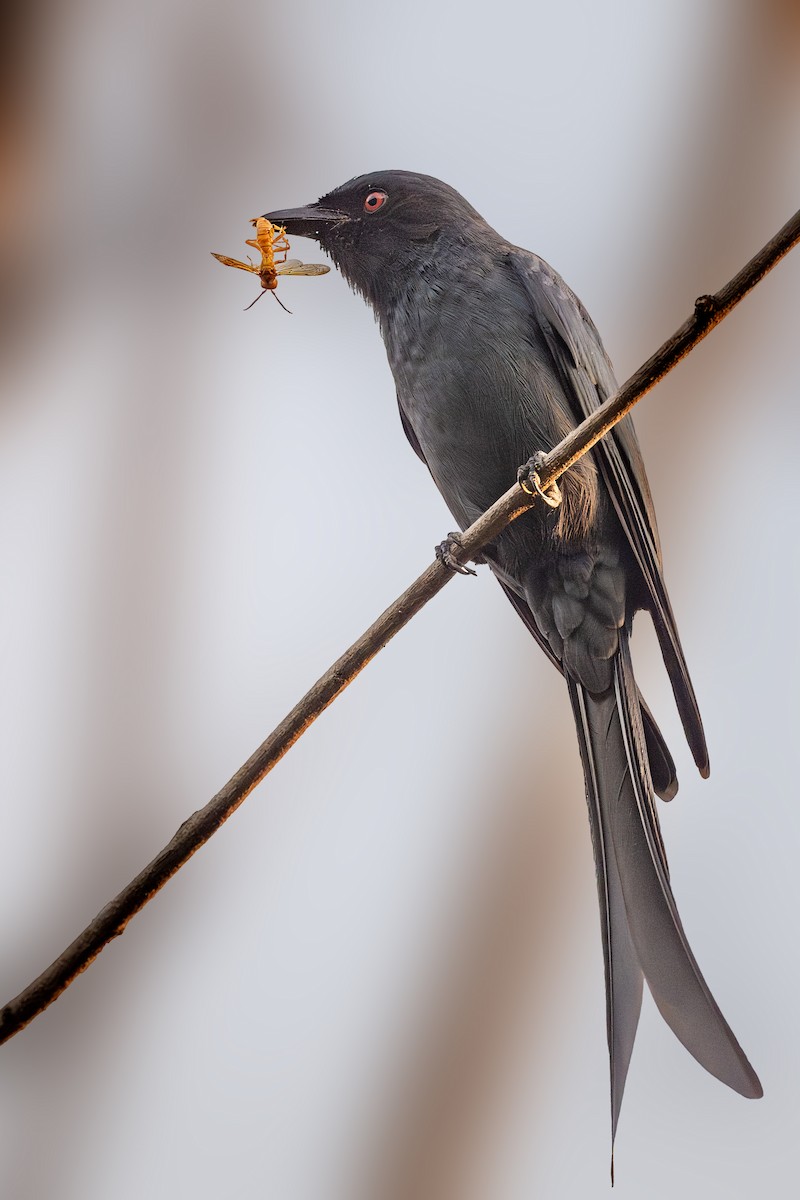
point(374, 201)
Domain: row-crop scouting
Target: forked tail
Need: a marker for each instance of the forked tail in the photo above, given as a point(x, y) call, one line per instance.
point(642, 932)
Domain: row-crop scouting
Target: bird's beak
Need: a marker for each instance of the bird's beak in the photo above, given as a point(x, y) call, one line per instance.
point(310, 222)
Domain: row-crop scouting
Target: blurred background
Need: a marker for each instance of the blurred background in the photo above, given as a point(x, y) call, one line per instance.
point(383, 979)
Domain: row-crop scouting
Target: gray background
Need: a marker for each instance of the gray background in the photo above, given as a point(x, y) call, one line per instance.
point(383, 979)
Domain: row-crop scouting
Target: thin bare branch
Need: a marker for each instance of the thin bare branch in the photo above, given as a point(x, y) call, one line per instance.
point(110, 922)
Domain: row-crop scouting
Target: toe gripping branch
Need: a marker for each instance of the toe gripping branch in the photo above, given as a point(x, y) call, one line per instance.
point(528, 479)
point(446, 556)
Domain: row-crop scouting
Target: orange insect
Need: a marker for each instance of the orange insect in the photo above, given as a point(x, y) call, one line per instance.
point(273, 245)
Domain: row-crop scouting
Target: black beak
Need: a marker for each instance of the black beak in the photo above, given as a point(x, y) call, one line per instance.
point(310, 222)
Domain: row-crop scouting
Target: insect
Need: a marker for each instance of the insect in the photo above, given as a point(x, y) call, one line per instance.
point(273, 245)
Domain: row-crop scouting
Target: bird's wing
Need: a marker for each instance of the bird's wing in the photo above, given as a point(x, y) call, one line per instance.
point(409, 432)
point(587, 376)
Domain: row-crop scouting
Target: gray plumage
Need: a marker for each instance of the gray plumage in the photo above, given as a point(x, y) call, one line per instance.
point(494, 358)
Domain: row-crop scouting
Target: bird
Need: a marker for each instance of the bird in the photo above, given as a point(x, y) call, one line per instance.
point(495, 360)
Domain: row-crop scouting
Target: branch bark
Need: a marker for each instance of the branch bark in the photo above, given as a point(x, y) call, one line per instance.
point(111, 921)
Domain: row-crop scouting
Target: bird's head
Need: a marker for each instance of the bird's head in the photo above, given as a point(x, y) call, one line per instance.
point(378, 228)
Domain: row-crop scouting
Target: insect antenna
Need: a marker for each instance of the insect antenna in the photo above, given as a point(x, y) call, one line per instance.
point(283, 306)
point(247, 307)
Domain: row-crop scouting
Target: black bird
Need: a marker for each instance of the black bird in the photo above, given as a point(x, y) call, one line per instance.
point(494, 359)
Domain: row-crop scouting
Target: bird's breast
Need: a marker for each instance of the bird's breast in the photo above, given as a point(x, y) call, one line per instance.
point(475, 386)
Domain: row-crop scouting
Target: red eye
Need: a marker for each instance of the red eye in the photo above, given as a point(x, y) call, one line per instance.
point(374, 201)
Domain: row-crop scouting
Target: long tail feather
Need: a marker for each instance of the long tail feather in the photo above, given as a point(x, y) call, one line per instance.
point(623, 973)
point(641, 927)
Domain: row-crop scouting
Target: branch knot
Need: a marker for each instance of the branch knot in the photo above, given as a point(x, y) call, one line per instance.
point(705, 309)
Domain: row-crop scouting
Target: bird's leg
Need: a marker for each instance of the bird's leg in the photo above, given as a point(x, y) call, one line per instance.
point(445, 555)
point(528, 479)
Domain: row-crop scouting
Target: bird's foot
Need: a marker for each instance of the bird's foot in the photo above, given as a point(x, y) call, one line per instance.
point(528, 479)
point(445, 555)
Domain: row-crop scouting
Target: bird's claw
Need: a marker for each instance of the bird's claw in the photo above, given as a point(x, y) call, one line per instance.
point(445, 555)
point(528, 479)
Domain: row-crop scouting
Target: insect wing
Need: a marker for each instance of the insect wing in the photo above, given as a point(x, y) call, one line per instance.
point(234, 262)
point(295, 267)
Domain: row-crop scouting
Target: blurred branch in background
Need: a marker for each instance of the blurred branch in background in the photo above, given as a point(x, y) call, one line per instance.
point(458, 1067)
point(738, 157)
point(20, 118)
point(197, 830)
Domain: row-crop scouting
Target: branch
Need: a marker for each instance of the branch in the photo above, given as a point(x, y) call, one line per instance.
point(111, 921)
